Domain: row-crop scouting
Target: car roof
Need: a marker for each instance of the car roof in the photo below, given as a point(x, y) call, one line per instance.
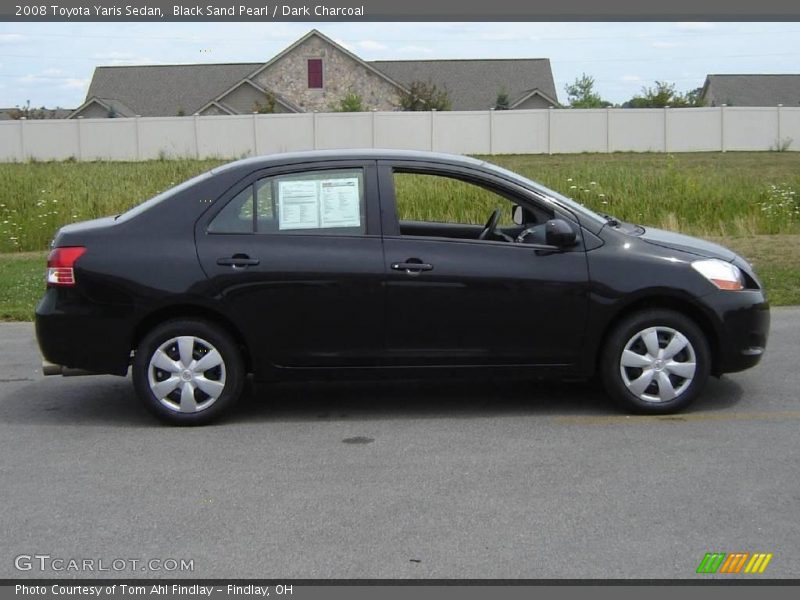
point(270, 160)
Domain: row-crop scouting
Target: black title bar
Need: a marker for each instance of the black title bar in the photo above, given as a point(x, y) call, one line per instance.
point(399, 10)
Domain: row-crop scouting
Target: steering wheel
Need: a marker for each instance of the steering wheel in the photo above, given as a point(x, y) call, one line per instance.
point(491, 225)
point(490, 229)
point(533, 235)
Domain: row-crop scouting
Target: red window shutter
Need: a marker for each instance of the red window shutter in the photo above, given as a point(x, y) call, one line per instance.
point(315, 72)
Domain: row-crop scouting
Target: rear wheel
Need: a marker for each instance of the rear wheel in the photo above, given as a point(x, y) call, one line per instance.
point(188, 372)
point(656, 362)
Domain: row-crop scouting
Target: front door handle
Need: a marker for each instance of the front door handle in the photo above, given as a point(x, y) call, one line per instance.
point(413, 266)
point(238, 261)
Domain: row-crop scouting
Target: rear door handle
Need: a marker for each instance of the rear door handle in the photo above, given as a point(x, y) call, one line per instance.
point(412, 267)
point(238, 261)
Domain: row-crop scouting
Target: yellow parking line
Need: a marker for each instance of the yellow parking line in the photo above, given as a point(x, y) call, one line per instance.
point(764, 564)
point(687, 417)
point(754, 563)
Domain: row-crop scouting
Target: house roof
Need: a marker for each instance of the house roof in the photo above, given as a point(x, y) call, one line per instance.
point(112, 105)
point(474, 84)
point(530, 94)
point(160, 90)
point(220, 99)
point(752, 90)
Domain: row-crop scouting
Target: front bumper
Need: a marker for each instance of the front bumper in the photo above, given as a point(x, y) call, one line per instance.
point(744, 328)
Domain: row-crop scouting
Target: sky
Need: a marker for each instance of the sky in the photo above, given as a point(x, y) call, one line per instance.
point(51, 64)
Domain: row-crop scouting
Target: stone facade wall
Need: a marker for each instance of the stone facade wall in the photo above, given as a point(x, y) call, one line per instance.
point(288, 76)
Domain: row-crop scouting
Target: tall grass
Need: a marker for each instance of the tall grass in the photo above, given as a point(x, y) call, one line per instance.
point(709, 194)
point(37, 198)
point(419, 198)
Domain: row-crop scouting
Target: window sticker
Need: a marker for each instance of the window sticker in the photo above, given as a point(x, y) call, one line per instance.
point(319, 203)
point(298, 205)
point(340, 203)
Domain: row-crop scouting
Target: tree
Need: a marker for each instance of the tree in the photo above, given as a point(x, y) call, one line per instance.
point(664, 94)
point(268, 107)
point(25, 111)
point(581, 93)
point(352, 102)
point(693, 97)
point(502, 102)
point(424, 96)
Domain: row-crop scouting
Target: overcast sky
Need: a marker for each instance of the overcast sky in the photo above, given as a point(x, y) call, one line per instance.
point(51, 64)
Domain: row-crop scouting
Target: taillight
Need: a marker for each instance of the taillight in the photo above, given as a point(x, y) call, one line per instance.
point(60, 264)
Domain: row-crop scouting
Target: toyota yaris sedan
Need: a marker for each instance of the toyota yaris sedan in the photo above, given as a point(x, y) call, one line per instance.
point(370, 262)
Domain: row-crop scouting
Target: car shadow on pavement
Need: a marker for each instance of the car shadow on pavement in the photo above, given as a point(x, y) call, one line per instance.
point(418, 399)
point(446, 399)
point(110, 401)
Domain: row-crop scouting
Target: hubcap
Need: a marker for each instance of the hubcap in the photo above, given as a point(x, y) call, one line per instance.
point(658, 364)
point(186, 374)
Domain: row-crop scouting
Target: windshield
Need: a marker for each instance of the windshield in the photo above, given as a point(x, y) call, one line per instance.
point(538, 187)
point(140, 208)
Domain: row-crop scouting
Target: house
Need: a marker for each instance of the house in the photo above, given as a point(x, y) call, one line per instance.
point(751, 90)
point(312, 74)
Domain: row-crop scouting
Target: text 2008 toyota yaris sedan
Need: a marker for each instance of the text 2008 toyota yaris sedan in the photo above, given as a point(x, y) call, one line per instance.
point(359, 262)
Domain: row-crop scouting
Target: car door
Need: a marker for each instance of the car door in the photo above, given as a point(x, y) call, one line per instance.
point(455, 300)
point(293, 256)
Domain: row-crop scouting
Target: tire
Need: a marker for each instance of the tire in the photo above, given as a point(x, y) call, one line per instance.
point(180, 393)
point(646, 365)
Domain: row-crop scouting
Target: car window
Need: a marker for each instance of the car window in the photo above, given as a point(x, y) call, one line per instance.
point(237, 216)
point(441, 199)
point(329, 202)
point(445, 206)
point(570, 203)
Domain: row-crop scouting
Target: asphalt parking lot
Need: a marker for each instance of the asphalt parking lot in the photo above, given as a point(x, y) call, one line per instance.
point(384, 480)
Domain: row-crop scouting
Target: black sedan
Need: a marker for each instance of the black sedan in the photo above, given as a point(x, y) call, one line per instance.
point(360, 263)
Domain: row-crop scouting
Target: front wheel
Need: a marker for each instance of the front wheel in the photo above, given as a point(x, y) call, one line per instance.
point(656, 362)
point(188, 372)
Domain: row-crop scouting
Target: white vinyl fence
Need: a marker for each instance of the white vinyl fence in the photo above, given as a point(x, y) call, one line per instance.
point(469, 132)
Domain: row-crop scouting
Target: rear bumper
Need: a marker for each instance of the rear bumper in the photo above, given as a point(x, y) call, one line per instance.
point(82, 337)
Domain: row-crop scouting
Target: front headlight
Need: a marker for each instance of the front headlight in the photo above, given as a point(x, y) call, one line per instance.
point(722, 274)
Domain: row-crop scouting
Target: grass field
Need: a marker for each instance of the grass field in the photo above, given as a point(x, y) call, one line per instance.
point(709, 194)
point(38, 198)
point(21, 284)
point(735, 199)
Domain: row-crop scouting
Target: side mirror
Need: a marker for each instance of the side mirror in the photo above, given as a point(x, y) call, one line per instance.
point(559, 233)
point(517, 214)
